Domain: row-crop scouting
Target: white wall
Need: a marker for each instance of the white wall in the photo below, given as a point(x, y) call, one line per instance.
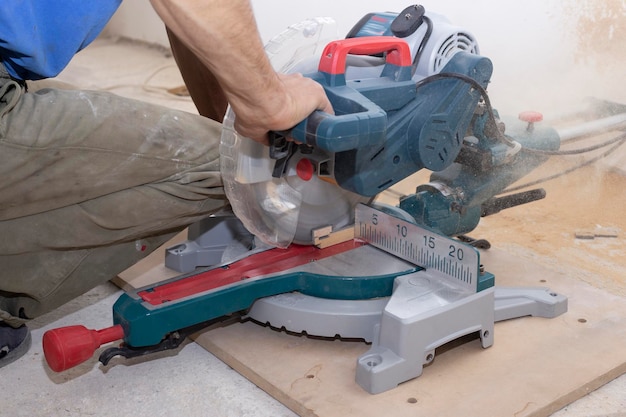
point(136, 19)
point(532, 43)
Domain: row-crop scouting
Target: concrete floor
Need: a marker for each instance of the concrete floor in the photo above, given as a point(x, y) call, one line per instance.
point(189, 381)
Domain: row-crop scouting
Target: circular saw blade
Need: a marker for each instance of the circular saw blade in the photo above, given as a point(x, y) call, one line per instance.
point(284, 210)
point(322, 203)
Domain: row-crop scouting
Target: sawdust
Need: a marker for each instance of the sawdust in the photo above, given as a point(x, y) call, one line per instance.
point(544, 231)
point(600, 34)
point(598, 30)
point(592, 38)
point(590, 198)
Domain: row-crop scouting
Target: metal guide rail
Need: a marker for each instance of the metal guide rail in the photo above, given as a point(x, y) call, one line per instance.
point(425, 248)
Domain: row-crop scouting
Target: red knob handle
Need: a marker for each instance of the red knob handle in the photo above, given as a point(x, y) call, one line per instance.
point(67, 347)
point(530, 116)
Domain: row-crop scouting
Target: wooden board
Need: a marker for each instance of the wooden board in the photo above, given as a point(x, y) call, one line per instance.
point(151, 269)
point(535, 367)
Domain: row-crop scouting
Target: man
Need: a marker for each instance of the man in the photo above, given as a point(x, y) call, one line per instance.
point(85, 176)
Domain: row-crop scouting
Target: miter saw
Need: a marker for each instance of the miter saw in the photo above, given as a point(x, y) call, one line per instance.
point(309, 249)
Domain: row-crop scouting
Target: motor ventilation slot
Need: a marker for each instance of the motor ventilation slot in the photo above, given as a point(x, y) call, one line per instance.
point(456, 42)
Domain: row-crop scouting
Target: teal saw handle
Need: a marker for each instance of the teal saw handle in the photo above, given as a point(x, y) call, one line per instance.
point(358, 121)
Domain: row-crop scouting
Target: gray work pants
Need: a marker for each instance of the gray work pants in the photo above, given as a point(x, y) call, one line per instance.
point(90, 183)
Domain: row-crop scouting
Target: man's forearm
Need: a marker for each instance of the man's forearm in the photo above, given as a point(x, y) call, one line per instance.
point(224, 36)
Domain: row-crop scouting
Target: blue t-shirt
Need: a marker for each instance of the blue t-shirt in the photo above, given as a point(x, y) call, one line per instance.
point(38, 38)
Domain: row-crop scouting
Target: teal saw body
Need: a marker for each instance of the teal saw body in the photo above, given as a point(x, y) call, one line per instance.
point(349, 271)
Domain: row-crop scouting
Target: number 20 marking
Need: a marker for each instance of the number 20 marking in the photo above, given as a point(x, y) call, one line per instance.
point(455, 252)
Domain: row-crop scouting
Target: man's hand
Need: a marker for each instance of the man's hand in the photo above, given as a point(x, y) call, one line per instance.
point(295, 98)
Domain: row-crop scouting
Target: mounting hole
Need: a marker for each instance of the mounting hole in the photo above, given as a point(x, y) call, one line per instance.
point(411, 400)
point(486, 334)
point(177, 250)
point(396, 159)
point(553, 294)
point(430, 357)
point(372, 361)
point(582, 320)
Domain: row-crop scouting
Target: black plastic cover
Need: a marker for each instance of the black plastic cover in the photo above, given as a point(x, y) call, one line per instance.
point(408, 21)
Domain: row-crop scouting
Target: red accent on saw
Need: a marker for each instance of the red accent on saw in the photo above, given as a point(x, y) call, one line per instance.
point(264, 263)
point(67, 347)
point(530, 116)
point(305, 169)
point(333, 60)
point(380, 19)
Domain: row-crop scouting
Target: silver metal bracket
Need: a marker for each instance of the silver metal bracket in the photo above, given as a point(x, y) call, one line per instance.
point(514, 302)
point(424, 312)
point(210, 242)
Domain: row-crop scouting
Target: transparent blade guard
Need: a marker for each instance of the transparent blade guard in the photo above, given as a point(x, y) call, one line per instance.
point(270, 207)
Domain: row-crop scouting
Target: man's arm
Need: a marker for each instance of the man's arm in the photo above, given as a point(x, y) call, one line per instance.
point(224, 36)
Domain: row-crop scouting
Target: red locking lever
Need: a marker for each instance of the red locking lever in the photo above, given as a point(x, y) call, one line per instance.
point(67, 347)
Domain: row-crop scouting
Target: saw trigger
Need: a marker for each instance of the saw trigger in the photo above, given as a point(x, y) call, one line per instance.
point(282, 149)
